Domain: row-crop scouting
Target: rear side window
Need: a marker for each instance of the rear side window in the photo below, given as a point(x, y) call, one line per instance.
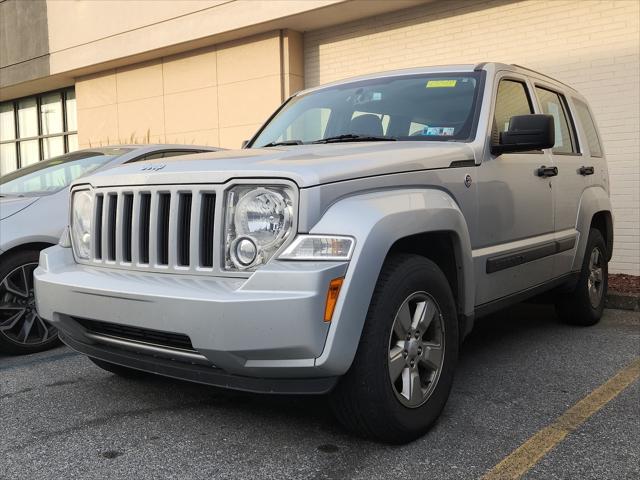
point(554, 104)
point(589, 127)
point(512, 99)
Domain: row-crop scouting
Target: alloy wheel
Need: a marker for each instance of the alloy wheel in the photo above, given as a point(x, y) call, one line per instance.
point(595, 282)
point(19, 319)
point(416, 349)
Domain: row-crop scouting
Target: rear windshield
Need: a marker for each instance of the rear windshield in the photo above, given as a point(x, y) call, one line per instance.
point(50, 176)
point(416, 107)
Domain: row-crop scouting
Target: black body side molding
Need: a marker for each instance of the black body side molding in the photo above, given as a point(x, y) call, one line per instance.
point(508, 260)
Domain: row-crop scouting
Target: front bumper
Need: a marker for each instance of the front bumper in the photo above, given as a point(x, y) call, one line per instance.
point(269, 326)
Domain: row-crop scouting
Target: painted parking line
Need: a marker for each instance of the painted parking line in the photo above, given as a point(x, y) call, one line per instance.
point(522, 459)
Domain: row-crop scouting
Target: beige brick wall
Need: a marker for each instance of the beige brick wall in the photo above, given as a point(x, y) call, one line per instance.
point(592, 45)
point(214, 96)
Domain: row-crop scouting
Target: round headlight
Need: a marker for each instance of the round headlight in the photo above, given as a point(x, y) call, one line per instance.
point(264, 215)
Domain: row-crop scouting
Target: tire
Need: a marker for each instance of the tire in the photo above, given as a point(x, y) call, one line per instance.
point(366, 400)
point(583, 306)
point(22, 331)
point(119, 370)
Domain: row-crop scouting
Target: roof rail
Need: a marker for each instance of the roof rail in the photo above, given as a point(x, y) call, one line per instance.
point(541, 74)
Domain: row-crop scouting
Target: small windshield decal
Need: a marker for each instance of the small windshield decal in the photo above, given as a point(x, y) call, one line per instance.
point(441, 83)
point(438, 131)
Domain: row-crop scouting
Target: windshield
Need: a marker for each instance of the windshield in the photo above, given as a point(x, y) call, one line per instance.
point(415, 107)
point(52, 175)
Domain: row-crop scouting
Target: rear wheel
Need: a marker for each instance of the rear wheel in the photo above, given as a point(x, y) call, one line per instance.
point(22, 330)
point(403, 370)
point(119, 370)
point(584, 306)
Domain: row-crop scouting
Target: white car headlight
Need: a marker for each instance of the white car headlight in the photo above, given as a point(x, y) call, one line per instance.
point(258, 221)
point(319, 247)
point(81, 211)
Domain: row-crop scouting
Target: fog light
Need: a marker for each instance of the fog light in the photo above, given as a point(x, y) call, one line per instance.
point(245, 251)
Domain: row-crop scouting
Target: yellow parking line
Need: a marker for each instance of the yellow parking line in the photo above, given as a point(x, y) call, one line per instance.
point(531, 452)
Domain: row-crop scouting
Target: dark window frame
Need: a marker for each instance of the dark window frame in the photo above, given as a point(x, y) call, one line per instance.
point(63, 92)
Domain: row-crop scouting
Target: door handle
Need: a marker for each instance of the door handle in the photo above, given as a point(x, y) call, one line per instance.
point(547, 171)
point(586, 170)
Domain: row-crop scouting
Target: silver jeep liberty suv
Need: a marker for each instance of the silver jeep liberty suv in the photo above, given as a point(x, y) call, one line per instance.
point(348, 247)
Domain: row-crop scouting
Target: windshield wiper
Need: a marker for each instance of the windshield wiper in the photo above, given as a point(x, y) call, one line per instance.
point(284, 142)
point(352, 137)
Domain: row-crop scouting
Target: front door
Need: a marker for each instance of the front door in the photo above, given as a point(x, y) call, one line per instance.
point(515, 207)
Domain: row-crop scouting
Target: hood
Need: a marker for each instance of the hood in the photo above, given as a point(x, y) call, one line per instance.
point(307, 165)
point(11, 205)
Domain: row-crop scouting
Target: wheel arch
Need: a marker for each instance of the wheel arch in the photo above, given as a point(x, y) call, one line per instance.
point(603, 221)
point(595, 211)
point(33, 245)
point(384, 222)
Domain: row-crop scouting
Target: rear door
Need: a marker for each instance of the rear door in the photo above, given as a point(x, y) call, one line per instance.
point(515, 206)
point(572, 178)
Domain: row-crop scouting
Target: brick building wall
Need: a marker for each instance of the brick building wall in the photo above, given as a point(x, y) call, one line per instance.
point(591, 45)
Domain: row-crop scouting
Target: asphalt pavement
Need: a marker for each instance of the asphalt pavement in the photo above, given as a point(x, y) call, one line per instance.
point(62, 417)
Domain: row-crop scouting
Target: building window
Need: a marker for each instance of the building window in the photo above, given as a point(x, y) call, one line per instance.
point(36, 128)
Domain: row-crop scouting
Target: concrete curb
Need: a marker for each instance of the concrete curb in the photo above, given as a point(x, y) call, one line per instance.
point(623, 301)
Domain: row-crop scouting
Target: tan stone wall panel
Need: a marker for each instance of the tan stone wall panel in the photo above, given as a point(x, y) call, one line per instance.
point(192, 110)
point(139, 81)
point(199, 137)
point(141, 119)
point(98, 89)
point(242, 60)
point(190, 71)
point(98, 125)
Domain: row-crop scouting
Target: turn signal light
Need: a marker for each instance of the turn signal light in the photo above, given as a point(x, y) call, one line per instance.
point(332, 297)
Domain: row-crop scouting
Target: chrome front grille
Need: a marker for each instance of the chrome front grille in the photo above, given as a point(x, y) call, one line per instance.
point(171, 228)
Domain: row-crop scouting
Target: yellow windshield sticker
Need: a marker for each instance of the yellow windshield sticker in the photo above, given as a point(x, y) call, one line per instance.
point(441, 83)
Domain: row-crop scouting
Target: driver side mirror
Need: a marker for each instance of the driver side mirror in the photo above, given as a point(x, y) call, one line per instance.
point(244, 143)
point(526, 132)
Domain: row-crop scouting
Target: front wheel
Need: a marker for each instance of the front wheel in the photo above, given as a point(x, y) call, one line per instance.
point(22, 330)
point(401, 376)
point(584, 306)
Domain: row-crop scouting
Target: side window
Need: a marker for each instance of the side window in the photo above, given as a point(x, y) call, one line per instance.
point(163, 154)
point(589, 127)
point(150, 156)
point(177, 153)
point(553, 104)
point(512, 99)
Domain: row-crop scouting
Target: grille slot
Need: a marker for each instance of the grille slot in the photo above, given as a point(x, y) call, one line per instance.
point(184, 228)
point(111, 227)
point(164, 210)
point(97, 221)
point(127, 225)
point(155, 337)
point(207, 220)
point(145, 220)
